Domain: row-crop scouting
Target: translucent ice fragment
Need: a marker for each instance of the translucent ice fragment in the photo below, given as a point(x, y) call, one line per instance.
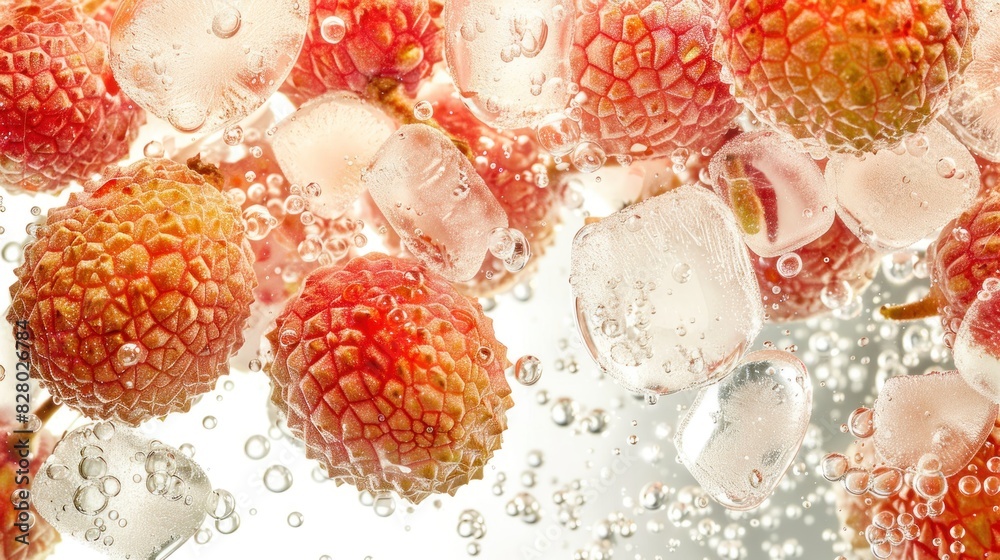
point(204, 65)
point(741, 434)
point(121, 493)
point(434, 199)
point(779, 196)
point(329, 141)
point(935, 413)
point(974, 110)
point(510, 58)
point(666, 295)
point(977, 346)
point(895, 198)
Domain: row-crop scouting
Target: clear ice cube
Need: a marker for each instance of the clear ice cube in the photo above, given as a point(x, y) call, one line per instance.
point(666, 295)
point(510, 58)
point(973, 113)
point(895, 198)
point(741, 434)
point(204, 65)
point(329, 141)
point(975, 347)
point(778, 194)
point(120, 493)
point(935, 413)
point(434, 199)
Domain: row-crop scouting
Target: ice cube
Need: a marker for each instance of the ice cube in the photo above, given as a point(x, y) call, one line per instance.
point(778, 194)
point(895, 198)
point(973, 113)
point(434, 199)
point(329, 141)
point(741, 434)
point(977, 346)
point(510, 58)
point(935, 413)
point(121, 493)
point(204, 65)
point(666, 295)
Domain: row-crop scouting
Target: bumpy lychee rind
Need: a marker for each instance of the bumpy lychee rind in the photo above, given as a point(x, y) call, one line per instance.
point(400, 39)
point(966, 253)
point(845, 75)
point(153, 257)
point(837, 255)
point(43, 537)
point(510, 163)
point(650, 84)
point(393, 379)
point(62, 115)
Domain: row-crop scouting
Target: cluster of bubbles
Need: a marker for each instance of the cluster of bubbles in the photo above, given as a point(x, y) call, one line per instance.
point(510, 246)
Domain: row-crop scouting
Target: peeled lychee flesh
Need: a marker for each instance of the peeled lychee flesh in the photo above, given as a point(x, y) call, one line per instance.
point(136, 292)
point(391, 378)
point(845, 75)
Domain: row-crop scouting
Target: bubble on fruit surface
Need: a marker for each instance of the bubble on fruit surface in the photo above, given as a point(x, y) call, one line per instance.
point(333, 29)
point(204, 67)
point(277, 478)
point(130, 354)
point(423, 110)
point(109, 481)
point(528, 370)
point(789, 265)
point(588, 157)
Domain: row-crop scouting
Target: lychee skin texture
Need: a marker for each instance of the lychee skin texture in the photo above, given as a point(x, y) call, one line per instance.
point(393, 379)
point(973, 513)
point(845, 75)
point(398, 39)
point(962, 262)
point(151, 256)
point(62, 115)
point(649, 80)
point(836, 255)
point(43, 536)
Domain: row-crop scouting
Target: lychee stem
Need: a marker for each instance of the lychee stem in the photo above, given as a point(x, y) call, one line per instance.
point(45, 411)
point(926, 307)
point(387, 93)
point(209, 172)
